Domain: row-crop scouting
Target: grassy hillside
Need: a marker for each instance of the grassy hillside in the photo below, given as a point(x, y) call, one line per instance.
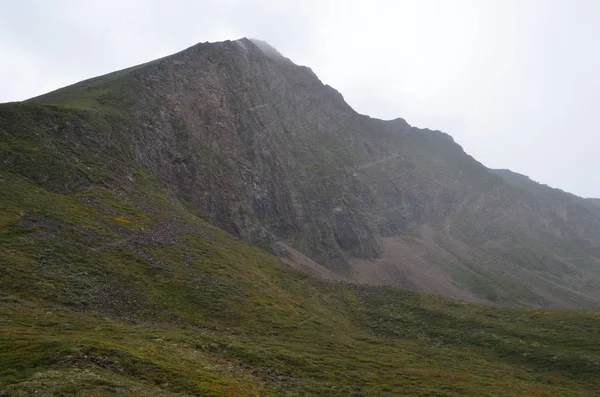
point(112, 287)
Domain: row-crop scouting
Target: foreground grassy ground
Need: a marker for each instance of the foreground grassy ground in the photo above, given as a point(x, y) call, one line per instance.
point(107, 291)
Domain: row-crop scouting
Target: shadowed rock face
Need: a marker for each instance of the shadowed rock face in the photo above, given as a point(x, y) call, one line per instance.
point(269, 153)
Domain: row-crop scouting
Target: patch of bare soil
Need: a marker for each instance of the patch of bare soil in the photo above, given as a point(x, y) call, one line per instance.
point(299, 261)
point(417, 263)
point(412, 262)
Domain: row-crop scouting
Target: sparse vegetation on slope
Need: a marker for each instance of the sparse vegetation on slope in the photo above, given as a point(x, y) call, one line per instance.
point(106, 291)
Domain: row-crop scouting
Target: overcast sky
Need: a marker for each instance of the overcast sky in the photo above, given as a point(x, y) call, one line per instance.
point(516, 83)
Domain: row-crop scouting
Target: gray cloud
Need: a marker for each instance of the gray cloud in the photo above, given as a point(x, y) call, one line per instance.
point(515, 82)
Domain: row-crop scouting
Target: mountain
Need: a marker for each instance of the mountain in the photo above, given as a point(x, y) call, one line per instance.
point(277, 158)
point(151, 220)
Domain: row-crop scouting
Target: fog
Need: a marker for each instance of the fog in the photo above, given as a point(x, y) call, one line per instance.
point(516, 83)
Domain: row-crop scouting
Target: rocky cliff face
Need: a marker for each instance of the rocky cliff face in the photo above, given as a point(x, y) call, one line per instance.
point(270, 153)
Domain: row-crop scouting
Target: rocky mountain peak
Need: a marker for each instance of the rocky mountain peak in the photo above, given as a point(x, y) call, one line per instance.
point(267, 49)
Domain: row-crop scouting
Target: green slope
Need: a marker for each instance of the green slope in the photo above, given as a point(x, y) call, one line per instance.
point(111, 286)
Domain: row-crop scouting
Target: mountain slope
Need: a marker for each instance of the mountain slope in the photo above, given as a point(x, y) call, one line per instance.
point(126, 205)
point(271, 154)
point(110, 292)
point(594, 201)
